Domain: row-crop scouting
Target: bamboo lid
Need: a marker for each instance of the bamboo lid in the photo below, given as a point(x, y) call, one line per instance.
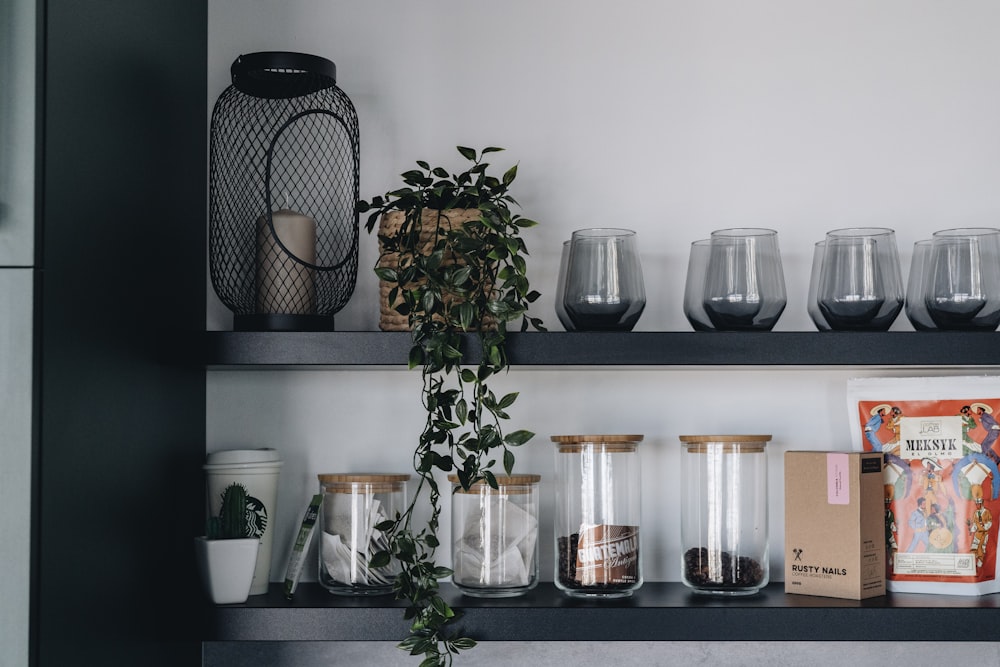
point(362, 478)
point(504, 480)
point(362, 483)
point(728, 443)
point(608, 442)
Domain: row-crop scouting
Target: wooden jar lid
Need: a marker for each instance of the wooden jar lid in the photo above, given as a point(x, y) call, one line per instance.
point(504, 480)
point(609, 442)
point(363, 478)
point(728, 443)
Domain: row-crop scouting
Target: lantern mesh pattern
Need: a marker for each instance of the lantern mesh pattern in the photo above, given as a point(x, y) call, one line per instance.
point(284, 138)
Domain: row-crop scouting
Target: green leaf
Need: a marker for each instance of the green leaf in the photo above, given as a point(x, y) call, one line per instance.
point(379, 559)
point(441, 607)
point(460, 277)
point(462, 411)
point(387, 274)
point(491, 149)
point(508, 461)
point(416, 356)
point(463, 643)
point(466, 311)
point(518, 438)
point(507, 400)
point(467, 153)
point(429, 300)
point(510, 175)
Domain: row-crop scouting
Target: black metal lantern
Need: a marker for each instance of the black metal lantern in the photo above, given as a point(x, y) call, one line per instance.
point(283, 185)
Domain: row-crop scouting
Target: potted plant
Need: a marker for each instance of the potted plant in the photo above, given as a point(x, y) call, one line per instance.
point(452, 267)
point(227, 553)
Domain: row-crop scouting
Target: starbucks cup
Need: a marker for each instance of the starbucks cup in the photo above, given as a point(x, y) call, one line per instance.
point(257, 470)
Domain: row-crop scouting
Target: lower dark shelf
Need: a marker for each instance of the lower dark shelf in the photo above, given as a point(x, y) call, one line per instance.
point(657, 612)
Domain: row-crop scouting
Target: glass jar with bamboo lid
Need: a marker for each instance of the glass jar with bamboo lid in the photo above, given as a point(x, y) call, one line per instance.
point(495, 536)
point(724, 513)
point(597, 515)
point(353, 506)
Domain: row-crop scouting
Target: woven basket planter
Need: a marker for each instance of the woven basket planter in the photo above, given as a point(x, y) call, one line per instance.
point(389, 225)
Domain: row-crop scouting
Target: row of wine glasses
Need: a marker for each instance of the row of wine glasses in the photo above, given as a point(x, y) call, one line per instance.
point(954, 281)
point(735, 281)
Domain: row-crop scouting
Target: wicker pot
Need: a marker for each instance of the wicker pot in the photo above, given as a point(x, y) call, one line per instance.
point(389, 225)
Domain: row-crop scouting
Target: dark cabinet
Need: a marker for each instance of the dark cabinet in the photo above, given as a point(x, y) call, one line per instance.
point(119, 424)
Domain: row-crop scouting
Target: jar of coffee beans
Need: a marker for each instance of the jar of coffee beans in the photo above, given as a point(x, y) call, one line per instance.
point(597, 515)
point(724, 513)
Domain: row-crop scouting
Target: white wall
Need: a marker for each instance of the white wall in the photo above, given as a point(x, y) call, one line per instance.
point(672, 118)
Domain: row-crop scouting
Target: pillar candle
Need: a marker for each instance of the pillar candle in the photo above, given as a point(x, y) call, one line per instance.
point(284, 286)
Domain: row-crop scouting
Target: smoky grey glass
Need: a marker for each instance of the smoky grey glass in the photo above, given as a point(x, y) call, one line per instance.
point(745, 285)
point(812, 303)
point(914, 306)
point(604, 285)
point(561, 289)
point(694, 286)
point(963, 284)
point(860, 283)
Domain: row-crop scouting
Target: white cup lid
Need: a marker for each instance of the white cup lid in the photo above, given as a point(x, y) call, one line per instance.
point(243, 456)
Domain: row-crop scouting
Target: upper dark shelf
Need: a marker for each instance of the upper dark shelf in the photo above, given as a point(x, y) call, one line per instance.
point(828, 348)
point(657, 612)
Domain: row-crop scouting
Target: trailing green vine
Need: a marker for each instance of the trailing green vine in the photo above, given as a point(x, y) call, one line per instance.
point(460, 288)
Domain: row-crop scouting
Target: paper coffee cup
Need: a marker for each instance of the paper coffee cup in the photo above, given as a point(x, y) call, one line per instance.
point(257, 470)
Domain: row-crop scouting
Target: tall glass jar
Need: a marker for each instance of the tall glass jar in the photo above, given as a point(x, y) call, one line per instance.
point(597, 515)
point(495, 536)
point(724, 513)
point(353, 505)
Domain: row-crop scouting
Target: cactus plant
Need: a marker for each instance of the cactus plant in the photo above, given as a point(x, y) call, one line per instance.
point(231, 523)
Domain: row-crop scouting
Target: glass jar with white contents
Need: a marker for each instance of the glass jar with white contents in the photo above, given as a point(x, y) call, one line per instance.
point(724, 513)
point(495, 536)
point(353, 506)
point(597, 515)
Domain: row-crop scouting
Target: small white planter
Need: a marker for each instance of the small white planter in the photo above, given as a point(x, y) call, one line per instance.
point(226, 567)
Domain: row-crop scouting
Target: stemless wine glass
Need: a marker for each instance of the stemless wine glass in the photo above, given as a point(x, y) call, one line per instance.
point(915, 308)
point(963, 284)
point(604, 287)
point(812, 303)
point(745, 287)
point(860, 284)
point(694, 287)
point(561, 289)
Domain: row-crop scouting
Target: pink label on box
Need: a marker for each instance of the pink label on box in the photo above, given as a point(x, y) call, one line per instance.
point(838, 490)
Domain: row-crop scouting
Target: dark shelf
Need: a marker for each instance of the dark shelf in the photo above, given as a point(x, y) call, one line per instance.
point(377, 348)
point(657, 612)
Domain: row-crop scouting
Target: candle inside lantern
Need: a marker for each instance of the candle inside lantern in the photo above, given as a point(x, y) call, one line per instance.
point(284, 285)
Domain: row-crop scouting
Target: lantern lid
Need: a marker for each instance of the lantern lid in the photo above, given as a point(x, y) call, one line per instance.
point(282, 74)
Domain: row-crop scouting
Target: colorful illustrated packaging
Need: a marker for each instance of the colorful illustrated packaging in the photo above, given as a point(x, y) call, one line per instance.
point(939, 437)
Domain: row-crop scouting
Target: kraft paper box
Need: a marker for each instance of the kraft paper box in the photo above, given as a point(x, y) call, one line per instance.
point(834, 524)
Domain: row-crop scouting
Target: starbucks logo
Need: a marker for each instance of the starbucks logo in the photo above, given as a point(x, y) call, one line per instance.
point(256, 517)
